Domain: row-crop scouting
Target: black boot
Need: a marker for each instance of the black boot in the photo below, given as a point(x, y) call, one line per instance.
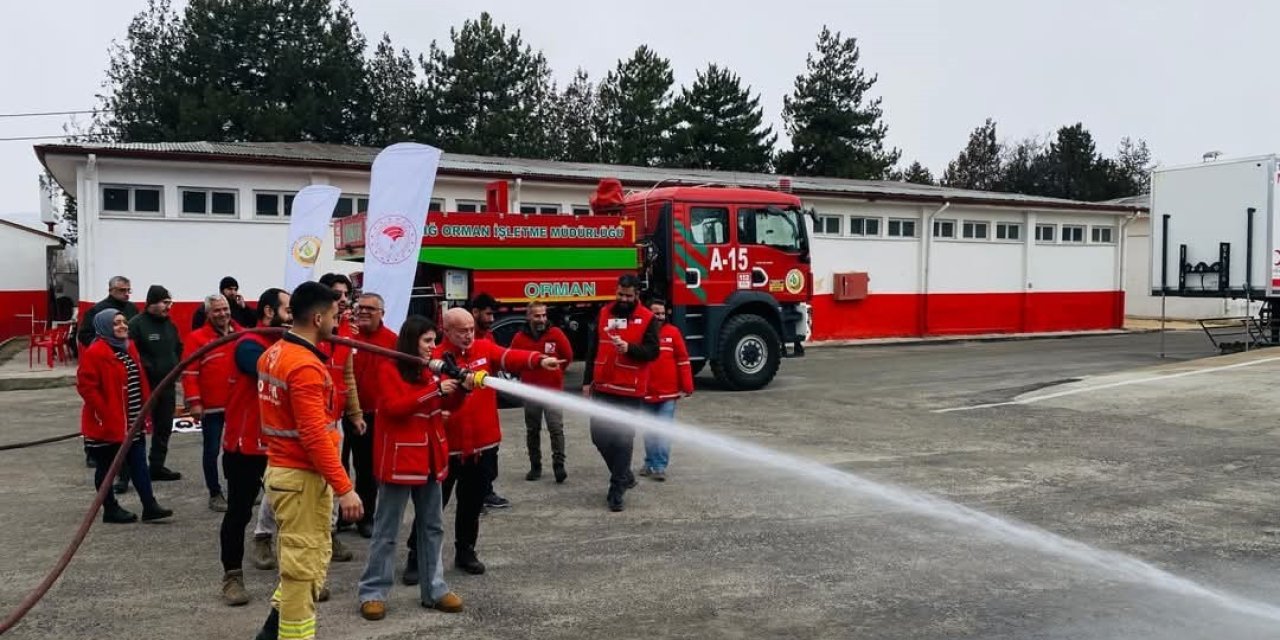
point(270, 628)
point(558, 468)
point(116, 514)
point(614, 499)
point(466, 560)
point(410, 576)
point(154, 511)
point(535, 472)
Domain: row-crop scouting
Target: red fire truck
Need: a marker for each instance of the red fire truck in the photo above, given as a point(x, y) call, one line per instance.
point(733, 263)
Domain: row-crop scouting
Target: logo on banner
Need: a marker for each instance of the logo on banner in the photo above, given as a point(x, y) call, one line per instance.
point(795, 281)
point(392, 239)
point(306, 250)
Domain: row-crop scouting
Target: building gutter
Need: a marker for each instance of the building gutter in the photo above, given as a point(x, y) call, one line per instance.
point(926, 246)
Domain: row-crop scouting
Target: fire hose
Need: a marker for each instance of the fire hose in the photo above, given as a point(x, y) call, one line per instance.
point(446, 367)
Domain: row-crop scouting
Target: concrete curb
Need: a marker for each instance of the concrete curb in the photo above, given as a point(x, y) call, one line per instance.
point(998, 337)
point(36, 382)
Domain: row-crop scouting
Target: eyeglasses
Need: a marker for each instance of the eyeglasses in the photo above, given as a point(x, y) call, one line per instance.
point(367, 308)
point(123, 289)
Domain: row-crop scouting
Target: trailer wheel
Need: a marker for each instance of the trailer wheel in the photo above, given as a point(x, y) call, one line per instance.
point(748, 353)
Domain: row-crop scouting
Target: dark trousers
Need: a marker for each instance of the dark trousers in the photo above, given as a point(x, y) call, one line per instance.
point(162, 425)
point(211, 432)
point(614, 440)
point(473, 478)
point(244, 480)
point(136, 459)
point(533, 414)
point(361, 447)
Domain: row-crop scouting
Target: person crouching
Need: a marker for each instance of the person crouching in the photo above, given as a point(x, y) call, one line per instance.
point(410, 460)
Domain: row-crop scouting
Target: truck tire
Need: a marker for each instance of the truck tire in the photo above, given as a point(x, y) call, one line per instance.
point(748, 353)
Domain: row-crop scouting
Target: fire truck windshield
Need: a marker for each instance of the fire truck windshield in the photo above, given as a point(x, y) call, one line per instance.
point(772, 227)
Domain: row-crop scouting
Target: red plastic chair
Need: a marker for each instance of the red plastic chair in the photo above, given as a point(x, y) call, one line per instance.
point(46, 341)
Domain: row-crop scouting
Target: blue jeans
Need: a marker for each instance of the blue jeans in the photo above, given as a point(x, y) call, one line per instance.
point(211, 431)
point(135, 461)
point(657, 448)
point(379, 572)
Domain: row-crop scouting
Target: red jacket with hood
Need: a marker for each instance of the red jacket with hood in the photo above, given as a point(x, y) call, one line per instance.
point(474, 427)
point(102, 381)
point(671, 374)
point(410, 446)
point(208, 382)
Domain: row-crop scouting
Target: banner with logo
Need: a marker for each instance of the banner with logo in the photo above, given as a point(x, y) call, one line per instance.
point(404, 176)
point(308, 220)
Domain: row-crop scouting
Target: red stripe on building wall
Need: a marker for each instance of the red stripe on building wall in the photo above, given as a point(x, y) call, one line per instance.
point(889, 315)
point(13, 303)
point(180, 312)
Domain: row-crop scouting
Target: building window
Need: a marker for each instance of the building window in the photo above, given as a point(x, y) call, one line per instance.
point(437, 205)
point(1072, 233)
point(1103, 235)
point(121, 199)
point(272, 205)
point(1008, 231)
point(827, 226)
point(709, 225)
point(864, 227)
point(471, 206)
point(208, 201)
point(1046, 232)
point(581, 210)
point(351, 205)
point(902, 228)
point(974, 230)
point(533, 207)
point(944, 228)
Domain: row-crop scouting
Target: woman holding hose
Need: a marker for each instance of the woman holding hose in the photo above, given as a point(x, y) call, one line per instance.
point(111, 383)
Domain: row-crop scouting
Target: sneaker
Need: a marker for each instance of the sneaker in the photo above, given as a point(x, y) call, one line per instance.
point(118, 515)
point(233, 591)
point(164, 474)
point(340, 552)
point(155, 512)
point(646, 471)
point(450, 603)
point(218, 503)
point(263, 557)
point(560, 473)
point(373, 610)
point(495, 501)
point(659, 475)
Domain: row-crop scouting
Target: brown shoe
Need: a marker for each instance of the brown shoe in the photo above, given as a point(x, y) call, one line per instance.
point(233, 591)
point(264, 558)
point(340, 552)
point(373, 610)
point(450, 603)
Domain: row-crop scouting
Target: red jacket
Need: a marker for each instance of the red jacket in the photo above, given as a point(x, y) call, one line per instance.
point(208, 382)
point(338, 356)
point(102, 381)
point(367, 366)
point(552, 343)
point(617, 373)
point(409, 445)
point(671, 374)
point(243, 430)
point(474, 427)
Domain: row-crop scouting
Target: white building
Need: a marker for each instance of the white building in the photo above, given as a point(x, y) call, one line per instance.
point(26, 256)
point(933, 260)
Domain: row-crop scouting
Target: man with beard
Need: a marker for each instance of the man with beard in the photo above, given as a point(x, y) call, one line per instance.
point(539, 336)
point(244, 457)
point(161, 350)
point(240, 312)
point(617, 373)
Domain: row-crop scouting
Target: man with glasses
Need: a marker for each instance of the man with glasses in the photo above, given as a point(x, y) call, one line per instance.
point(346, 408)
point(156, 338)
point(118, 290)
point(369, 328)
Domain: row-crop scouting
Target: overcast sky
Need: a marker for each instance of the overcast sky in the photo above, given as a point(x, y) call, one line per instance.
point(1187, 76)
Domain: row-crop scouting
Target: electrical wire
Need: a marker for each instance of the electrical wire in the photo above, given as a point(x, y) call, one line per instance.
point(30, 114)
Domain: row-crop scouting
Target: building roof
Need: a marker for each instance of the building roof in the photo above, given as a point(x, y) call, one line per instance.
point(336, 156)
point(22, 227)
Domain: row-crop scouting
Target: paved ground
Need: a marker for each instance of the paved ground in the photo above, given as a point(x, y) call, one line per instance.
point(1180, 472)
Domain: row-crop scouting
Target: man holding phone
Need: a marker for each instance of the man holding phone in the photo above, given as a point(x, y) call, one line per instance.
point(618, 358)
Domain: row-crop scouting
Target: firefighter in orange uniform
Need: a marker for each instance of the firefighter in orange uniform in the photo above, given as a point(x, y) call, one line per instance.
point(295, 397)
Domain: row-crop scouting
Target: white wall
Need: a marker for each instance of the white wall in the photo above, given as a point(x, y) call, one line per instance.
point(22, 260)
point(1137, 285)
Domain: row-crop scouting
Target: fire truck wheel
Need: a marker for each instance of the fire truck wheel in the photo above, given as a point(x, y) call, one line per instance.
point(748, 354)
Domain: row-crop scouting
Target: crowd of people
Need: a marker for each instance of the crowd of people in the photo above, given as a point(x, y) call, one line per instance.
point(322, 438)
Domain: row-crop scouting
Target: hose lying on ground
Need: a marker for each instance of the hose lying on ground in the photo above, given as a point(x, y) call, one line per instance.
point(91, 515)
point(23, 445)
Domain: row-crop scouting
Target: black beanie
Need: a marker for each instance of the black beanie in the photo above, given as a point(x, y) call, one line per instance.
point(157, 293)
point(227, 283)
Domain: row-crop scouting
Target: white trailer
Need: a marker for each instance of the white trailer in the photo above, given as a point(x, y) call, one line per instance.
point(1214, 234)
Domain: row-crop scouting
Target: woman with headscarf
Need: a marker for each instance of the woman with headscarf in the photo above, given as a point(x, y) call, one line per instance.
point(111, 382)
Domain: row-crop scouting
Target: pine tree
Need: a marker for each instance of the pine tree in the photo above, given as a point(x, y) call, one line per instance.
point(493, 93)
point(915, 173)
point(397, 107)
point(1023, 168)
point(247, 70)
point(835, 128)
point(1133, 166)
point(635, 101)
point(579, 115)
point(978, 166)
point(717, 124)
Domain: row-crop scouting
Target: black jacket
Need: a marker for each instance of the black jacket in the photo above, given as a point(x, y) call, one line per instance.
point(158, 344)
point(85, 333)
